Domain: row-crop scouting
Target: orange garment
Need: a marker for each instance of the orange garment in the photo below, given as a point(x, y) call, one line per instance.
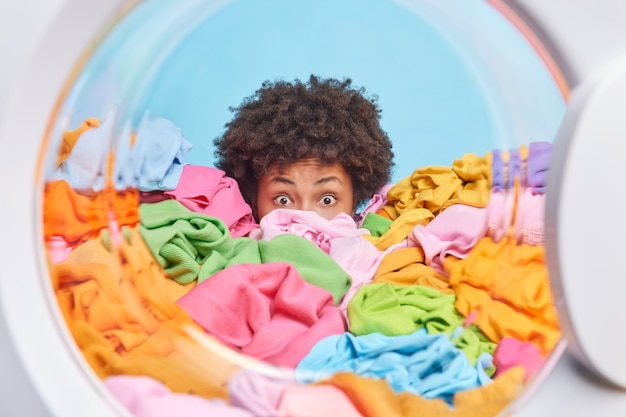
point(70, 138)
point(507, 287)
point(401, 227)
point(375, 398)
point(119, 307)
point(437, 187)
point(77, 217)
point(406, 266)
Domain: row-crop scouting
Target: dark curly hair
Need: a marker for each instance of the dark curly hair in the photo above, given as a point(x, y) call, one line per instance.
point(284, 122)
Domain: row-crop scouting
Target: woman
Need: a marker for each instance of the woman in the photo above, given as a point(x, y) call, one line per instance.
point(315, 145)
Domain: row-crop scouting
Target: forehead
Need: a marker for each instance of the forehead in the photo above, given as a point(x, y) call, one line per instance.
point(308, 169)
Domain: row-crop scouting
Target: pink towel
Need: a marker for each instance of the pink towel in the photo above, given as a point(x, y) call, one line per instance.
point(266, 311)
point(208, 191)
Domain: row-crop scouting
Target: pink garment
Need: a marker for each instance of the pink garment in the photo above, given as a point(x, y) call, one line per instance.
point(316, 401)
point(208, 191)
point(146, 397)
point(339, 237)
point(511, 352)
point(258, 393)
point(529, 218)
point(267, 311)
point(454, 231)
point(500, 213)
point(376, 203)
point(58, 249)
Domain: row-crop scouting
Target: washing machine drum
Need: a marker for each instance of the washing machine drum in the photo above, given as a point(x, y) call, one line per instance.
point(152, 287)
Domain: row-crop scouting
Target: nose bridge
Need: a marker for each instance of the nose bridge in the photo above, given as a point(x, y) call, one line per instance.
point(305, 203)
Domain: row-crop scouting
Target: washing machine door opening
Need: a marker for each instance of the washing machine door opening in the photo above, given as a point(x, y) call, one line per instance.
point(447, 297)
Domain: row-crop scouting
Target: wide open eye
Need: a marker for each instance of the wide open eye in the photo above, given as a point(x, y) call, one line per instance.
point(328, 200)
point(282, 200)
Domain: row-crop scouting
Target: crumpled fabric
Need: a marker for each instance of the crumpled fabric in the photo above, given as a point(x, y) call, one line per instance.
point(529, 223)
point(209, 191)
point(259, 392)
point(375, 204)
point(192, 247)
point(265, 311)
point(281, 395)
point(437, 187)
point(158, 154)
point(338, 237)
point(419, 363)
point(121, 312)
point(454, 232)
point(76, 218)
point(70, 138)
point(506, 286)
point(316, 401)
point(538, 165)
point(146, 397)
point(511, 353)
point(85, 167)
point(392, 311)
point(374, 398)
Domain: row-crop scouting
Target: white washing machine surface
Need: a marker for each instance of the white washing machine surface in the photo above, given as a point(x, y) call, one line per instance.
point(516, 86)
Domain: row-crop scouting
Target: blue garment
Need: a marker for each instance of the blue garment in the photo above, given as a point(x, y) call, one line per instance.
point(123, 166)
point(419, 363)
point(158, 154)
point(86, 166)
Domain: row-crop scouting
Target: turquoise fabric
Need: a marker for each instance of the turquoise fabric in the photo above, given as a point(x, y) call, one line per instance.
point(419, 363)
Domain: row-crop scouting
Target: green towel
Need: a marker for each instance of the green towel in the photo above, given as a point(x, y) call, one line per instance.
point(399, 310)
point(191, 246)
point(376, 224)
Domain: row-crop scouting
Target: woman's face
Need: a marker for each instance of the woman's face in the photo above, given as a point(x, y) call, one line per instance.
point(306, 185)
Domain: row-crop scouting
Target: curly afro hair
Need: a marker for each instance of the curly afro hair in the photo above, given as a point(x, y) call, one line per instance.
point(284, 122)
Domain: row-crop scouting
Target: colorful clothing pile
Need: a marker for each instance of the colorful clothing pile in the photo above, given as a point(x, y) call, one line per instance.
point(436, 298)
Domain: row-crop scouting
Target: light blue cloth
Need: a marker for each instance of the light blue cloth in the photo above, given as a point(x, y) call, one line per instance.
point(158, 154)
point(123, 166)
point(85, 167)
point(419, 363)
point(154, 162)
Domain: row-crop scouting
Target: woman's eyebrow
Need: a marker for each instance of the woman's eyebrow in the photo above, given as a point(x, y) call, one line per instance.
point(282, 180)
point(328, 179)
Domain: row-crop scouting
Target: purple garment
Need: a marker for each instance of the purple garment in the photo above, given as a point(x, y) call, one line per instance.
point(537, 165)
point(498, 171)
point(516, 169)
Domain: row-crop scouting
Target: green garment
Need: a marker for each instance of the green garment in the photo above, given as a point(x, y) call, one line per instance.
point(192, 246)
point(376, 224)
point(399, 310)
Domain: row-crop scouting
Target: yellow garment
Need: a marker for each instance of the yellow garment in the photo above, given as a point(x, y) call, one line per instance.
point(506, 285)
point(375, 398)
point(71, 137)
point(401, 227)
point(406, 267)
point(437, 187)
point(120, 308)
